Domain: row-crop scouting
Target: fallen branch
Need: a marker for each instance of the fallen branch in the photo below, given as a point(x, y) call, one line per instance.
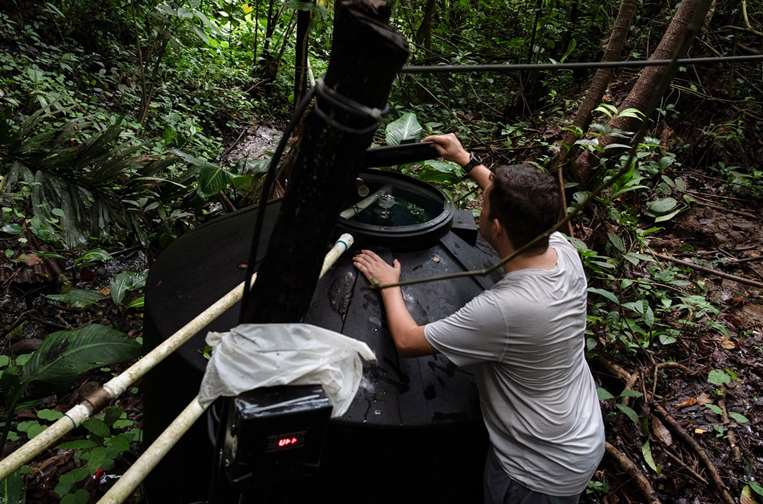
point(730, 435)
point(684, 465)
point(634, 472)
point(711, 271)
point(698, 200)
point(701, 453)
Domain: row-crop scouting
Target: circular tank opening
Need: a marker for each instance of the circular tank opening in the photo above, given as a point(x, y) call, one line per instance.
point(395, 210)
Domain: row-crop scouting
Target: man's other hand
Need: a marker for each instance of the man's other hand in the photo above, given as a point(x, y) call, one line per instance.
point(376, 269)
point(449, 147)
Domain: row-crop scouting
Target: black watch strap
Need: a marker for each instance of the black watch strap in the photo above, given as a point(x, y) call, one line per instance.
point(473, 161)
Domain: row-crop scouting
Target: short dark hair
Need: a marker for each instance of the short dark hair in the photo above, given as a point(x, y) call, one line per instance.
point(526, 201)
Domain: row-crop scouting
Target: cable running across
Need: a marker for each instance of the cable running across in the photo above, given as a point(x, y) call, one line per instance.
point(511, 67)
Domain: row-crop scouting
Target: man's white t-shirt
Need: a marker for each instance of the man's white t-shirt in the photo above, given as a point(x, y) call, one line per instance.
point(525, 338)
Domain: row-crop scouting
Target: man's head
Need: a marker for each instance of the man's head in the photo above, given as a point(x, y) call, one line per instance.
point(521, 203)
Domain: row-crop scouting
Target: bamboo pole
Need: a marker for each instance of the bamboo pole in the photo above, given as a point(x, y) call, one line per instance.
point(117, 385)
point(140, 469)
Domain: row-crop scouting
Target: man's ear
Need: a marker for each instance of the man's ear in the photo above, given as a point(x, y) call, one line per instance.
point(496, 228)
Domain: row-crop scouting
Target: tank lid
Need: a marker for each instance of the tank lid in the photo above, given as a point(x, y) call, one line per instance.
point(396, 210)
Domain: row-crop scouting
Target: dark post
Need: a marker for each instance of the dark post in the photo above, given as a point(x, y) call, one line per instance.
point(366, 55)
point(304, 17)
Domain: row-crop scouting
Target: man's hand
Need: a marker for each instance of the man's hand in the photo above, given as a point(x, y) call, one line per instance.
point(449, 147)
point(376, 269)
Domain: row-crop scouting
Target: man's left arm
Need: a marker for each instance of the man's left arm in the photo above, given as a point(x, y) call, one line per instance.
point(406, 333)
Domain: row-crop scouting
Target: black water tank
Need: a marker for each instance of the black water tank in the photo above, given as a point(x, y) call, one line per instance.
point(414, 431)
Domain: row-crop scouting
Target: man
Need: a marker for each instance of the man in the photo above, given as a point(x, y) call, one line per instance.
point(523, 338)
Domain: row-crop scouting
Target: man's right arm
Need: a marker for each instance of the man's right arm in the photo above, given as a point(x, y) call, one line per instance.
point(450, 148)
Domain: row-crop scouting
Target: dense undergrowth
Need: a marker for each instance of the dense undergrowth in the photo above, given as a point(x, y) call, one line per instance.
point(115, 118)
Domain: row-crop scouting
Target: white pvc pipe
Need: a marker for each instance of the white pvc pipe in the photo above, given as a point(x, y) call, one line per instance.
point(137, 472)
point(361, 205)
point(117, 385)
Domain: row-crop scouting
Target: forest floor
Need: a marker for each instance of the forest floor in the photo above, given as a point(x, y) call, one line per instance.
point(727, 230)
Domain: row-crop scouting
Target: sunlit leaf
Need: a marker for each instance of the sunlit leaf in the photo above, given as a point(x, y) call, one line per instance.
point(628, 411)
point(405, 128)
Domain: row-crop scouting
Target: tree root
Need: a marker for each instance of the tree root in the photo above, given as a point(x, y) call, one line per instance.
point(730, 434)
point(711, 271)
point(701, 453)
point(631, 378)
point(634, 472)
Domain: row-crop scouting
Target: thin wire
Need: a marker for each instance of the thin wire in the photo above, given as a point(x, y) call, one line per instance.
point(336, 99)
point(509, 67)
point(266, 187)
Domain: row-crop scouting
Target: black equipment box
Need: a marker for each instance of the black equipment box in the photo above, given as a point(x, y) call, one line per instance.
point(275, 434)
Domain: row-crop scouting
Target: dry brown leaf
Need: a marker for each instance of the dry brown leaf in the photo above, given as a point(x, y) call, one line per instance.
point(661, 432)
point(703, 399)
point(727, 343)
point(699, 431)
point(106, 291)
point(30, 259)
point(689, 401)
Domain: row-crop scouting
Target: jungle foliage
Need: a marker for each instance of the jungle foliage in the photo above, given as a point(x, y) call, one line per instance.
point(118, 118)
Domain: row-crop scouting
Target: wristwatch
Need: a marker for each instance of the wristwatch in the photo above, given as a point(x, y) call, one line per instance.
point(473, 161)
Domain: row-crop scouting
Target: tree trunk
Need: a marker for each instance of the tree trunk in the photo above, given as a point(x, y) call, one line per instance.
point(366, 55)
point(300, 63)
point(601, 78)
point(424, 33)
point(654, 81)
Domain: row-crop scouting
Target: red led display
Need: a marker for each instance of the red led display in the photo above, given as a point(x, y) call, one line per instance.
point(285, 441)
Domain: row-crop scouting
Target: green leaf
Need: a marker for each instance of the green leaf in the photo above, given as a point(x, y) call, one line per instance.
point(81, 496)
point(616, 241)
point(213, 179)
point(718, 377)
point(124, 282)
point(667, 217)
point(628, 411)
point(646, 451)
point(738, 417)
point(91, 256)
point(605, 293)
point(630, 393)
point(65, 355)
point(97, 427)
point(77, 298)
point(78, 444)
point(136, 303)
point(604, 394)
point(662, 205)
point(756, 488)
point(606, 109)
point(715, 409)
point(49, 415)
point(30, 427)
point(12, 229)
point(123, 423)
point(632, 112)
point(4, 360)
point(67, 480)
point(12, 490)
point(405, 128)
point(667, 339)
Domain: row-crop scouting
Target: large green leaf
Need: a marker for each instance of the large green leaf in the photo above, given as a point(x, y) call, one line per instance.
point(65, 355)
point(662, 205)
point(403, 129)
point(213, 179)
point(124, 282)
point(12, 489)
point(77, 298)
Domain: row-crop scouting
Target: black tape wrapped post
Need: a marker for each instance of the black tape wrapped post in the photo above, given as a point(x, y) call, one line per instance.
point(366, 56)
